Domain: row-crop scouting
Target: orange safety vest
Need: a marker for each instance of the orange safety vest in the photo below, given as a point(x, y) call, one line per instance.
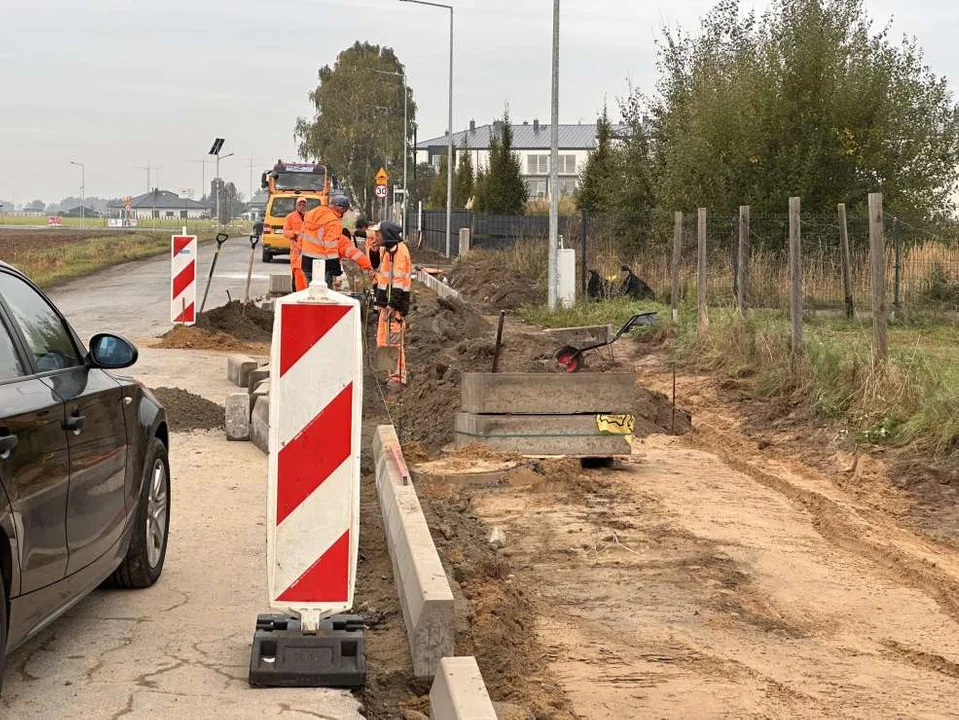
point(291, 226)
point(323, 238)
point(395, 271)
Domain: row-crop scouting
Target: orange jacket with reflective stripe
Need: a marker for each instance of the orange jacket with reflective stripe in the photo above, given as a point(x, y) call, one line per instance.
point(395, 271)
point(323, 238)
point(291, 226)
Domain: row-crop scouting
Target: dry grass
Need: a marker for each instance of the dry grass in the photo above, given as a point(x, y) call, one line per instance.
point(51, 265)
point(929, 276)
point(912, 399)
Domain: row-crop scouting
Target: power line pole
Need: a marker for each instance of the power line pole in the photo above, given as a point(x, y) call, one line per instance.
point(552, 294)
point(147, 168)
point(202, 177)
point(252, 161)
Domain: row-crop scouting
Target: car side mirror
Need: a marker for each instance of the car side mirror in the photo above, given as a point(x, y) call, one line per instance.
point(258, 228)
point(112, 352)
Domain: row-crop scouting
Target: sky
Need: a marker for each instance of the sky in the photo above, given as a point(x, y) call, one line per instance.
point(122, 84)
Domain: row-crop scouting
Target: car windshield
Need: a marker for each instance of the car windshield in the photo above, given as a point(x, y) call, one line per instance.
point(286, 180)
point(280, 207)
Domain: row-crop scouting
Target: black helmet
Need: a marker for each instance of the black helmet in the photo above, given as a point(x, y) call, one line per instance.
point(391, 233)
point(340, 200)
point(362, 223)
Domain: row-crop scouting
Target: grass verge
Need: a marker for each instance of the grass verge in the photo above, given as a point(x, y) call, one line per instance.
point(58, 263)
point(911, 399)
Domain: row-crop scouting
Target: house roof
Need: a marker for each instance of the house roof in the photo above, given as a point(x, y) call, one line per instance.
point(161, 200)
point(526, 137)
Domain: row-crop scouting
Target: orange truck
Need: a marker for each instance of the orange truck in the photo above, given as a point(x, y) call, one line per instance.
point(284, 184)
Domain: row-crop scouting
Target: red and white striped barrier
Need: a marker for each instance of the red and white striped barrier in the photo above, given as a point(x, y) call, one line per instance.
point(313, 497)
point(183, 259)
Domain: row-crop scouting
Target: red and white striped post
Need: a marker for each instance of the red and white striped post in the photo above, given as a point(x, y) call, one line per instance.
point(313, 505)
point(183, 259)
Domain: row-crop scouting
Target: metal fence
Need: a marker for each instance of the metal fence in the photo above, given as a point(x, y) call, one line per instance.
point(922, 260)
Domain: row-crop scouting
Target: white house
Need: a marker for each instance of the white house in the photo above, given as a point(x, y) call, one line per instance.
point(531, 142)
point(159, 204)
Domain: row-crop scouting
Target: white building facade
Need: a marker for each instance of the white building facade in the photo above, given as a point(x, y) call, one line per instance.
point(531, 144)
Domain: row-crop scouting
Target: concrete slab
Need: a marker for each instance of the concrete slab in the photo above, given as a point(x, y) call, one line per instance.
point(459, 693)
point(238, 416)
point(238, 369)
point(256, 377)
point(438, 286)
point(546, 393)
point(581, 336)
point(260, 424)
point(540, 435)
point(280, 284)
point(424, 591)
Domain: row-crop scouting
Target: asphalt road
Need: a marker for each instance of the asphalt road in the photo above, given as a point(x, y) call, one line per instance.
point(132, 299)
point(180, 649)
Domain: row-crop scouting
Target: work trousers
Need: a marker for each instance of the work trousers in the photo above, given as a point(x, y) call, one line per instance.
point(390, 333)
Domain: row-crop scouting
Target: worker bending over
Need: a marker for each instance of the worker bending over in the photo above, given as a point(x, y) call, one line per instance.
point(394, 287)
point(323, 238)
point(292, 226)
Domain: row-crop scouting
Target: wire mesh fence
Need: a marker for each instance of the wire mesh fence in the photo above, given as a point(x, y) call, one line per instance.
point(922, 261)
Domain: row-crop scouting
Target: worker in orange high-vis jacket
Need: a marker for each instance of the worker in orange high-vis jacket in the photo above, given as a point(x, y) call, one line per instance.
point(292, 226)
point(323, 238)
point(394, 290)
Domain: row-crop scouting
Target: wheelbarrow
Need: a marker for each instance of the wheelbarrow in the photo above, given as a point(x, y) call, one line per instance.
point(572, 358)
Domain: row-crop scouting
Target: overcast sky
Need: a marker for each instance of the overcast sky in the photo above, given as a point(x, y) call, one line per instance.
point(118, 84)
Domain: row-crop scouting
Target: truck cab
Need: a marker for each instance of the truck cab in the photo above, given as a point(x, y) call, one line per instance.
point(284, 184)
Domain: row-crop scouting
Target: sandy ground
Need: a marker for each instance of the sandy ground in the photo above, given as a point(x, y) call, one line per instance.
point(710, 578)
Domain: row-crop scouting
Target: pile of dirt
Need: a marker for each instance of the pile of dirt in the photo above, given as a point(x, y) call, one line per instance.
point(246, 322)
point(481, 276)
point(498, 625)
point(182, 337)
point(448, 337)
point(186, 411)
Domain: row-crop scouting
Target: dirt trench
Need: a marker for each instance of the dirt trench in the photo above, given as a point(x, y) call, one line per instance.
point(754, 567)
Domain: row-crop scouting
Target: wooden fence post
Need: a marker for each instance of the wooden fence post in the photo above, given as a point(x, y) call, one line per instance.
point(877, 256)
point(846, 261)
point(677, 259)
point(702, 314)
point(795, 276)
point(742, 265)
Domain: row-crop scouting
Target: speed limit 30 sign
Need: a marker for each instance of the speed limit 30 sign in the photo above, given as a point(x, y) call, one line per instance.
point(381, 191)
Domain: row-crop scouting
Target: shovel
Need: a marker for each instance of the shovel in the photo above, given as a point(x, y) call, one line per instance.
point(220, 239)
point(387, 357)
point(254, 239)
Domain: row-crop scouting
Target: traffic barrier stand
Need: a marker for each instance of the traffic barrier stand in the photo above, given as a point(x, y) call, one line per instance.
point(183, 258)
point(313, 496)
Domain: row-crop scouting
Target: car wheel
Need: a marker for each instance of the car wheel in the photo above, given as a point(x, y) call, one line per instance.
point(144, 561)
point(267, 256)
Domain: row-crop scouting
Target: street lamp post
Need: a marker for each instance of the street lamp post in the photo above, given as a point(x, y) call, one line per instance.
point(83, 187)
point(449, 134)
point(406, 137)
point(553, 270)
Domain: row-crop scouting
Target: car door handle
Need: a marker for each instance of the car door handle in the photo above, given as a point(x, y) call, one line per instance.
point(75, 423)
point(8, 443)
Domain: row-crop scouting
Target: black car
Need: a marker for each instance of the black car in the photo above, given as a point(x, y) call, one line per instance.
point(84, 474)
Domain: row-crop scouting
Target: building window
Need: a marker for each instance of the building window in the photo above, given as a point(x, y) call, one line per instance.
point(536, 188)
point(567, 164)
point(567, 186)
point(537, 164)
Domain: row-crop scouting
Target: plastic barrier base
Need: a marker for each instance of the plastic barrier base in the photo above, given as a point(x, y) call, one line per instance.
point(282, 656)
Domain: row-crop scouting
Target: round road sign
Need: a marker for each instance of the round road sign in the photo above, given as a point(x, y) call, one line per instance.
point(381, 191)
